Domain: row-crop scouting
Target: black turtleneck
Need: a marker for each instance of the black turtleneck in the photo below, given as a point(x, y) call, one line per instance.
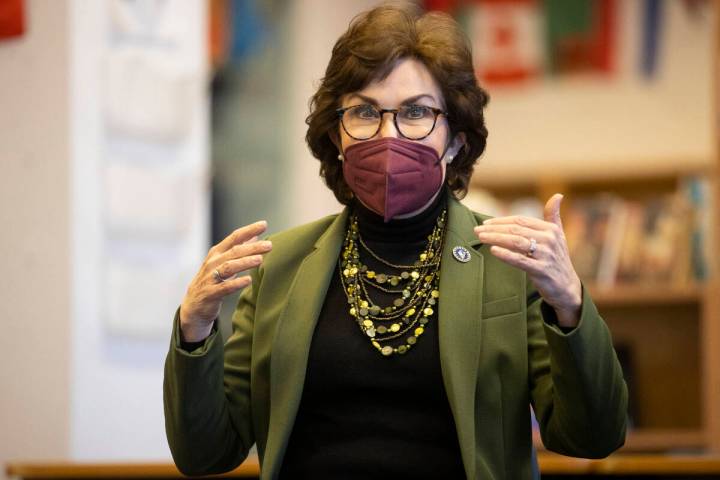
point(363, 415)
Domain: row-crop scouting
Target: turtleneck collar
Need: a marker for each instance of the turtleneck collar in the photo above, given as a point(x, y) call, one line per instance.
point(412, 229)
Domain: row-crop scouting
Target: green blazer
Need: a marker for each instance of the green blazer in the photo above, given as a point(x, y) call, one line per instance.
point(499, 353)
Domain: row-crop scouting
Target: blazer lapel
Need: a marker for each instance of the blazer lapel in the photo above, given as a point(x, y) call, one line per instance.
point(460, 327)
point(293, 337)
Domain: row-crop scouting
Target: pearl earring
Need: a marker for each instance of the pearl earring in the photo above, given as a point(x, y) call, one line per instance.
point(340, 157)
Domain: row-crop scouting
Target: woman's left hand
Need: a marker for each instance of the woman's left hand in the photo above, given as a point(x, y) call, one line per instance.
point(548, 266)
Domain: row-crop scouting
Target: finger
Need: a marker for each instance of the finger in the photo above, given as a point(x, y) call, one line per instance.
point(232, 267)
point(227, 287)
point(519, 260)
point(523, 221)
point(552, 209)
point(241, 235)
point(240, 251)
point(512, 229)
point(512, 242)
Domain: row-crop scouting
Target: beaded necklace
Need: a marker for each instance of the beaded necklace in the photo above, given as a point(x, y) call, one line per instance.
point(416, 287)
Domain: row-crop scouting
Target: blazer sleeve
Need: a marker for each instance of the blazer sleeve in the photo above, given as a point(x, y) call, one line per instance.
point(207, 403)
point(576, 383)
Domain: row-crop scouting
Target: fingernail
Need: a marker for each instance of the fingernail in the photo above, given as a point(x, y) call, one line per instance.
point(261, 223)
point(266, 244)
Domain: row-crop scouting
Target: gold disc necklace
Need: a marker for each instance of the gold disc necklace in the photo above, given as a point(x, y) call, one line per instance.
point(394, 328)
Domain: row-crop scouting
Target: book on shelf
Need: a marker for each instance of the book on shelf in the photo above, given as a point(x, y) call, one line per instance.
point(657, 239)
point(699, 194)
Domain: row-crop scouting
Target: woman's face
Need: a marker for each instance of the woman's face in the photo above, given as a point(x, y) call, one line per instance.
point(410, 82)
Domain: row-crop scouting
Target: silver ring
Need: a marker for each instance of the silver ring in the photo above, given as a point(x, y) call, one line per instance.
point(533, 247)
point(218, 278)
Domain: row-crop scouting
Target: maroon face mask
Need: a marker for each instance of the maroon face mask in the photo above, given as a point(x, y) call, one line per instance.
point(392, 176)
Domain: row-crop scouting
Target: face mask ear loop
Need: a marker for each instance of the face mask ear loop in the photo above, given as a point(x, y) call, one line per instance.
point(447, 147)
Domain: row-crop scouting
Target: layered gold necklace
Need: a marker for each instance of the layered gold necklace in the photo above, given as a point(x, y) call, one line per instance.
point(393, 328)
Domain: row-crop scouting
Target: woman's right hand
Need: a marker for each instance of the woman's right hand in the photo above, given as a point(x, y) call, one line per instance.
point(236, 253)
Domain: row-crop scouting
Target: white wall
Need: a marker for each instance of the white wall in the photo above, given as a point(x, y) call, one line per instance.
point(34, 244)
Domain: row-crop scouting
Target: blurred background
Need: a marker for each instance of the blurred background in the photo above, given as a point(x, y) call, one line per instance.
point(136, 133)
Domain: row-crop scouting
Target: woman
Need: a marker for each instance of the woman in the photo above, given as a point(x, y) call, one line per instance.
point(407, 335)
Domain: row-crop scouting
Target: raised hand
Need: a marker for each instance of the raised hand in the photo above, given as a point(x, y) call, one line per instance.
point(216, 279)
point(539, 248)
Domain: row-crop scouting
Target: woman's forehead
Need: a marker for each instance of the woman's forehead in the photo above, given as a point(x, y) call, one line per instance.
point(409, 79)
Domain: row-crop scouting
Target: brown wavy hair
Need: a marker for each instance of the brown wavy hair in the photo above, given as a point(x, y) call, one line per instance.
point(368, 51)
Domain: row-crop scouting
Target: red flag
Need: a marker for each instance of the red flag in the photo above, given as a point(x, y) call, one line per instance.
point(12, 20)
point(507, 40)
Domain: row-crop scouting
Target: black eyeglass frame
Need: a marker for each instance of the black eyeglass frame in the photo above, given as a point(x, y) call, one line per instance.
point(436, 111)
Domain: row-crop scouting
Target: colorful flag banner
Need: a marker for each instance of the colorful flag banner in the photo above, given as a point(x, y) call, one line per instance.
point(580, 35)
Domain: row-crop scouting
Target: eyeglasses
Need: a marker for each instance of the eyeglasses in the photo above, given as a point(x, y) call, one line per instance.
point(413, 122)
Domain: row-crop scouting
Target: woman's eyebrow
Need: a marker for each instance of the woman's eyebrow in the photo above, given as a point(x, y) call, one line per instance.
point(407, 101)
point(415, 98)
point(365, 99)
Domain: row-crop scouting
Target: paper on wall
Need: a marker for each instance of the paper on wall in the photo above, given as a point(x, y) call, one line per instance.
point(152, 200)
point(150, 94)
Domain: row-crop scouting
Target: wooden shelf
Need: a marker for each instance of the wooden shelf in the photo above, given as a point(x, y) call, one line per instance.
point(78, 470)
point(630, 464)
point(652, 440)
point(646, 294)
point(629, 171)
point(647, 440)
point(550, 463)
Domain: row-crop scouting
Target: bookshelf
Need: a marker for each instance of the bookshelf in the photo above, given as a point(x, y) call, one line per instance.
point(669, 328)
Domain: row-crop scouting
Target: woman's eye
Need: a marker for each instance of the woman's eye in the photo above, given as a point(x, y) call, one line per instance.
point(365, 111)
point(415, 112)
